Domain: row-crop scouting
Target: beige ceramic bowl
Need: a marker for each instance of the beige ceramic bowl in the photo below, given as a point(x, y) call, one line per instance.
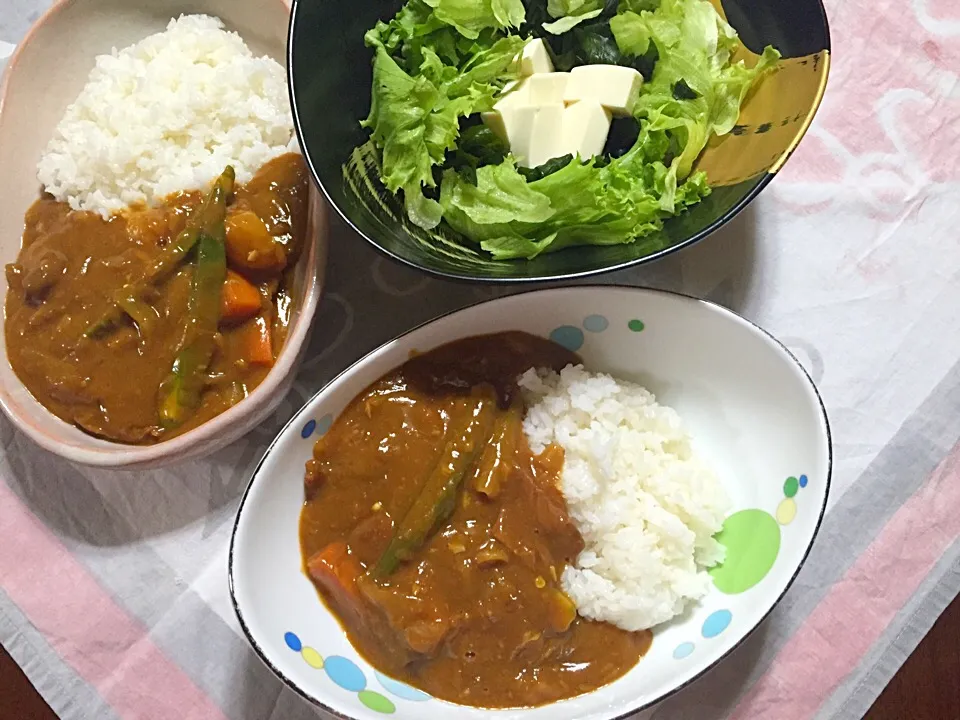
point(45, 75)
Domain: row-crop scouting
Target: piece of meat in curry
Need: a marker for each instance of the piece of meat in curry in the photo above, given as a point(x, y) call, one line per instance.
point(438, 538)
point(145, 325)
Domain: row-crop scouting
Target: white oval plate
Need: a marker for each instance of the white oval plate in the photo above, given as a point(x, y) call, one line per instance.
point(753, 412)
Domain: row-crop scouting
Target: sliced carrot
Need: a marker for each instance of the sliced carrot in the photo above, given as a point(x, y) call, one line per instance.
point(240, 299)
point(257, 342)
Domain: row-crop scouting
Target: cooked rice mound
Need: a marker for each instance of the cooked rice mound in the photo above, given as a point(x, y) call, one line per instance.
point(165, 115)
point(646, 506)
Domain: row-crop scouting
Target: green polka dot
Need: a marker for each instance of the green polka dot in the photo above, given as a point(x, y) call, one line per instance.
point(377, 702)
point(791, 486)
point(752, 540)
point(636, 325)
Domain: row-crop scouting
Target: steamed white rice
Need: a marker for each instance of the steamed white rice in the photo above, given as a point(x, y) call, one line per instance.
point(165, 115)
point(646, 506)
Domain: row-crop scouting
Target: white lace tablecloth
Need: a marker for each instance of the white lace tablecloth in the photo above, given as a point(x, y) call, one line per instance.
point(113, 588)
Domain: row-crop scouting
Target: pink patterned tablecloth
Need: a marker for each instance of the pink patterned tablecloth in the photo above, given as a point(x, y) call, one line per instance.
point(113, 589)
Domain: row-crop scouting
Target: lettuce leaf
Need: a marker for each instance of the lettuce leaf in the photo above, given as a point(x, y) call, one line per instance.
point(411, 28)
point(695, 91)
point(582, 203)
point(469, 17)
point(570, 13)
point(564, 24)
point(500, 194)
point(564, 8)
point(509, 13)
point(401, 107)
point(414, 118)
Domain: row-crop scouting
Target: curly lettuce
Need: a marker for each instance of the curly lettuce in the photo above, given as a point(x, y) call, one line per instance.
point(415, 109)
point(469, 17)
point(582, 203)
point(439, 63)
point(695, 91)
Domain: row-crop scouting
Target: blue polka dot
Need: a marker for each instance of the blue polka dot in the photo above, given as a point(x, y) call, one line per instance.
point(308, 429)
point(716, 623)
point(345, 673)
point(324, 424)
point(401, 690)
point(292, 641)
point(595, 323)
point(568, 336)
point(683, 650)
point(803, 481)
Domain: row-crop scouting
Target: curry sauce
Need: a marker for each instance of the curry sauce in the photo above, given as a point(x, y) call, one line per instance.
point(458, 595)
point(104, 375)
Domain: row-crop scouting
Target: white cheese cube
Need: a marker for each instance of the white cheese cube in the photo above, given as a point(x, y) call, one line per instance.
point(585, 127)
point(613, 86)
point(535, 58)
point(514, 125)
point(546, 136)
point(546, 88)
point(494, 121)
point(514, 94)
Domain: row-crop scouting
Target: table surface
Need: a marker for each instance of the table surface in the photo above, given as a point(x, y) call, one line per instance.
point(925, 688)
point(113, 595)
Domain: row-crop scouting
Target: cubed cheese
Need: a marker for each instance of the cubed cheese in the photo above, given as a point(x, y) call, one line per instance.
point(514, 94)
point(515, 125)
point(546, 88)
point(613, 86)
point(585, 127)
point(535, 58)
point(546, 136)
point(494, 121)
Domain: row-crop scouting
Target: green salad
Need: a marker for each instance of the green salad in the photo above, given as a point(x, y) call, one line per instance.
point(440, 67)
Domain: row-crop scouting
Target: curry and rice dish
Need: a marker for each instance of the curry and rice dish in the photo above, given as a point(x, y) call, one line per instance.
point(156, 280)
point(143, 326)
point(446, 524)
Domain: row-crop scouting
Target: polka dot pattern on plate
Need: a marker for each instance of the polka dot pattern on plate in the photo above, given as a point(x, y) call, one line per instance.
point(636, 325)
point(292, 641)
point(790, 486)
point(752, 541)
point(323, 424)
point(348, 675)
point(786, 511)
point(399, 689)
point(716, 623)
point(345, 673)
point(568, 336)
point(312, 658)
point(376, 702)
point(595, 323)
point(308, 429)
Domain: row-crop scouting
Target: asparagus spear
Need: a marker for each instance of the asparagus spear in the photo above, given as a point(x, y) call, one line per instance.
point(211, 213)
point(143, 314)
point(497, 454)
point(179, 394)
point(438, 498)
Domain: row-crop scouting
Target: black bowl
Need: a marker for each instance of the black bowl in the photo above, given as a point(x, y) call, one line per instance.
point(329, 70)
